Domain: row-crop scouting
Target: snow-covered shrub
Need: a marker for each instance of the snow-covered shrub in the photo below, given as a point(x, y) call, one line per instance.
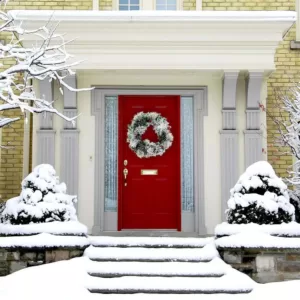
point(2, 206)
point(43, 199)
point(295, 201)
point(259, 197)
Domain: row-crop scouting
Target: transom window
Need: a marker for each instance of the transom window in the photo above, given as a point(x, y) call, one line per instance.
point(166, 4)
point(129, 4)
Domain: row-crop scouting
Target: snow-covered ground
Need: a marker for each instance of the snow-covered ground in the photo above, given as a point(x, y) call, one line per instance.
point(67, 279)
point(43, 240)
point(284, 229)
point(58, 228)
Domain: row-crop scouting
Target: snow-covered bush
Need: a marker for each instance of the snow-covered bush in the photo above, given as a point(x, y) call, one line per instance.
point(43, 199)
point(295, 201)
point(259, 197)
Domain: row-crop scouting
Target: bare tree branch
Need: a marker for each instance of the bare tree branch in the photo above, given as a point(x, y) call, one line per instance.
point(47, 60)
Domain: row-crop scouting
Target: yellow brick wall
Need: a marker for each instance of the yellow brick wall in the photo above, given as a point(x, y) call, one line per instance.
point(248, 4)
point(105, 4)
point(286, 75)
point(189, 4)
point(52, 4)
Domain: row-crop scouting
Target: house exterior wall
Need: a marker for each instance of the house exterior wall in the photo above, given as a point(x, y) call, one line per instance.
point(212, 127)
point(287, 63)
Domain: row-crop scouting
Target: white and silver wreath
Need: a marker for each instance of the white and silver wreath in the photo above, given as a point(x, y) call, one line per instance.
point(139, 125)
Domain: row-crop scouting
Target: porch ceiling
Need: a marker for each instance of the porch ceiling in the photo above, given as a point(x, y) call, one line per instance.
point(200, 40)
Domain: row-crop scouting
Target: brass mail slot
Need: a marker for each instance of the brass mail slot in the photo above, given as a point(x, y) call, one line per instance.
point(149, 172)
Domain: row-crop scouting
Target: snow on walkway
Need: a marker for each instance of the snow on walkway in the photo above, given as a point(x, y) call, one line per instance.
point(109, 241)
point(232, 282)
point(109, 269)
point(206, 253)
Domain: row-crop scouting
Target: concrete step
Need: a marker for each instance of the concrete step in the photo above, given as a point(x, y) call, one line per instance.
point(149, 242)
point(205, 254)
point(228, 284)
point(214, 268)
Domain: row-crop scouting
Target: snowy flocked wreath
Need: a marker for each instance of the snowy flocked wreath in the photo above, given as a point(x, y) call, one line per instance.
point(145, 148)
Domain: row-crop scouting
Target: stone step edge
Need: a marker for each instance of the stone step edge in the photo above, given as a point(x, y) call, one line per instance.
point(149, 246)
point(148, 260)
point(170, 291)
point(118, 275)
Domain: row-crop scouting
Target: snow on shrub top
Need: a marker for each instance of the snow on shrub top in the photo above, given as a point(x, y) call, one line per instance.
point(259, 196)
point(43, 199)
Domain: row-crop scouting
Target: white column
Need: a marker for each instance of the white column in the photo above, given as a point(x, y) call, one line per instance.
point(69, 163)
point(229, 138)
point(253, 134)
point(46, 134)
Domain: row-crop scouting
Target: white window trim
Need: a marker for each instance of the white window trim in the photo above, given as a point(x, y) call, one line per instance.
point(95, 4)
point(198, 4)
point(151, 4)
point(298, 21)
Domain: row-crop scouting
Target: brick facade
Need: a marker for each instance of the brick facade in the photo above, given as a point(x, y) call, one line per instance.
point(189, 4)
point(248, 5)
point(51, 5)
point(105, 4)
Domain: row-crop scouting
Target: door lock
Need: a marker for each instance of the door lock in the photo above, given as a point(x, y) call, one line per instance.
point(125, 172)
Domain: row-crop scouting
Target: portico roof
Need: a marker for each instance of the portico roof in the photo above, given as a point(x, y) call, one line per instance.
point(201, 40)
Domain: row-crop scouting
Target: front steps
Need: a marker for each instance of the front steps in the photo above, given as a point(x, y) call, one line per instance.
point(121, 265)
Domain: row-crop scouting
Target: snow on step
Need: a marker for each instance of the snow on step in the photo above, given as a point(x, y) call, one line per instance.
point(150, 242)
point(214, 268)
point(232, 282)
point(206, 253)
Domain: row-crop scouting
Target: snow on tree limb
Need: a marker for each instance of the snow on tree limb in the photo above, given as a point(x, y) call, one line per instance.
point(47, 60)
point(287, 122)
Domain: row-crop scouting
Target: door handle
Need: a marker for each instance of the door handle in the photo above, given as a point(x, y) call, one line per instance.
point(125, 172)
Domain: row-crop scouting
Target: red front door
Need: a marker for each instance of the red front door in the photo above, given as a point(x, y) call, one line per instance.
point(149, 201)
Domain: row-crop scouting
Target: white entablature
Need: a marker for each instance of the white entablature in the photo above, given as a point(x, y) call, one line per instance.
point(175, 40)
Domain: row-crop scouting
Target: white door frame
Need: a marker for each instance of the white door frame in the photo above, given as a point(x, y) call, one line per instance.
point(192, 222)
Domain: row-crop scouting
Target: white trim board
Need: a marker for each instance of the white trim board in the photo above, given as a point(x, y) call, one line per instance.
point(170, 40)
point(108, 221)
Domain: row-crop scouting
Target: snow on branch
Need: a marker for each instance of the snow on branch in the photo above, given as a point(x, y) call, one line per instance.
point(47, 60)
point(287, 121)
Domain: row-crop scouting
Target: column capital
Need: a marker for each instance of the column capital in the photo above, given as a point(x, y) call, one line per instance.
point(229, 89)
point(254, 84)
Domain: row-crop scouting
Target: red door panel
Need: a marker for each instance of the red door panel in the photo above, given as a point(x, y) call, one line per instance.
point(149, 201)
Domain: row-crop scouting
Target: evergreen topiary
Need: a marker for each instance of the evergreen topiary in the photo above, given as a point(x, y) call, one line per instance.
point(259, 197)
point(43, 199)
point(295, 201)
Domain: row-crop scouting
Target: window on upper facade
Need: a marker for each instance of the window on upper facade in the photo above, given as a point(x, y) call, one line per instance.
point(166, 4)
point(129, 4)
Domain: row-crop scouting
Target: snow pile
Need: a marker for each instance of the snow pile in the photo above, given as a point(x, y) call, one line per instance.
point(291, 229)
point(43, 240)
point(259, 197)
point(256, 239)
point(56, 228)
point(43, 199)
